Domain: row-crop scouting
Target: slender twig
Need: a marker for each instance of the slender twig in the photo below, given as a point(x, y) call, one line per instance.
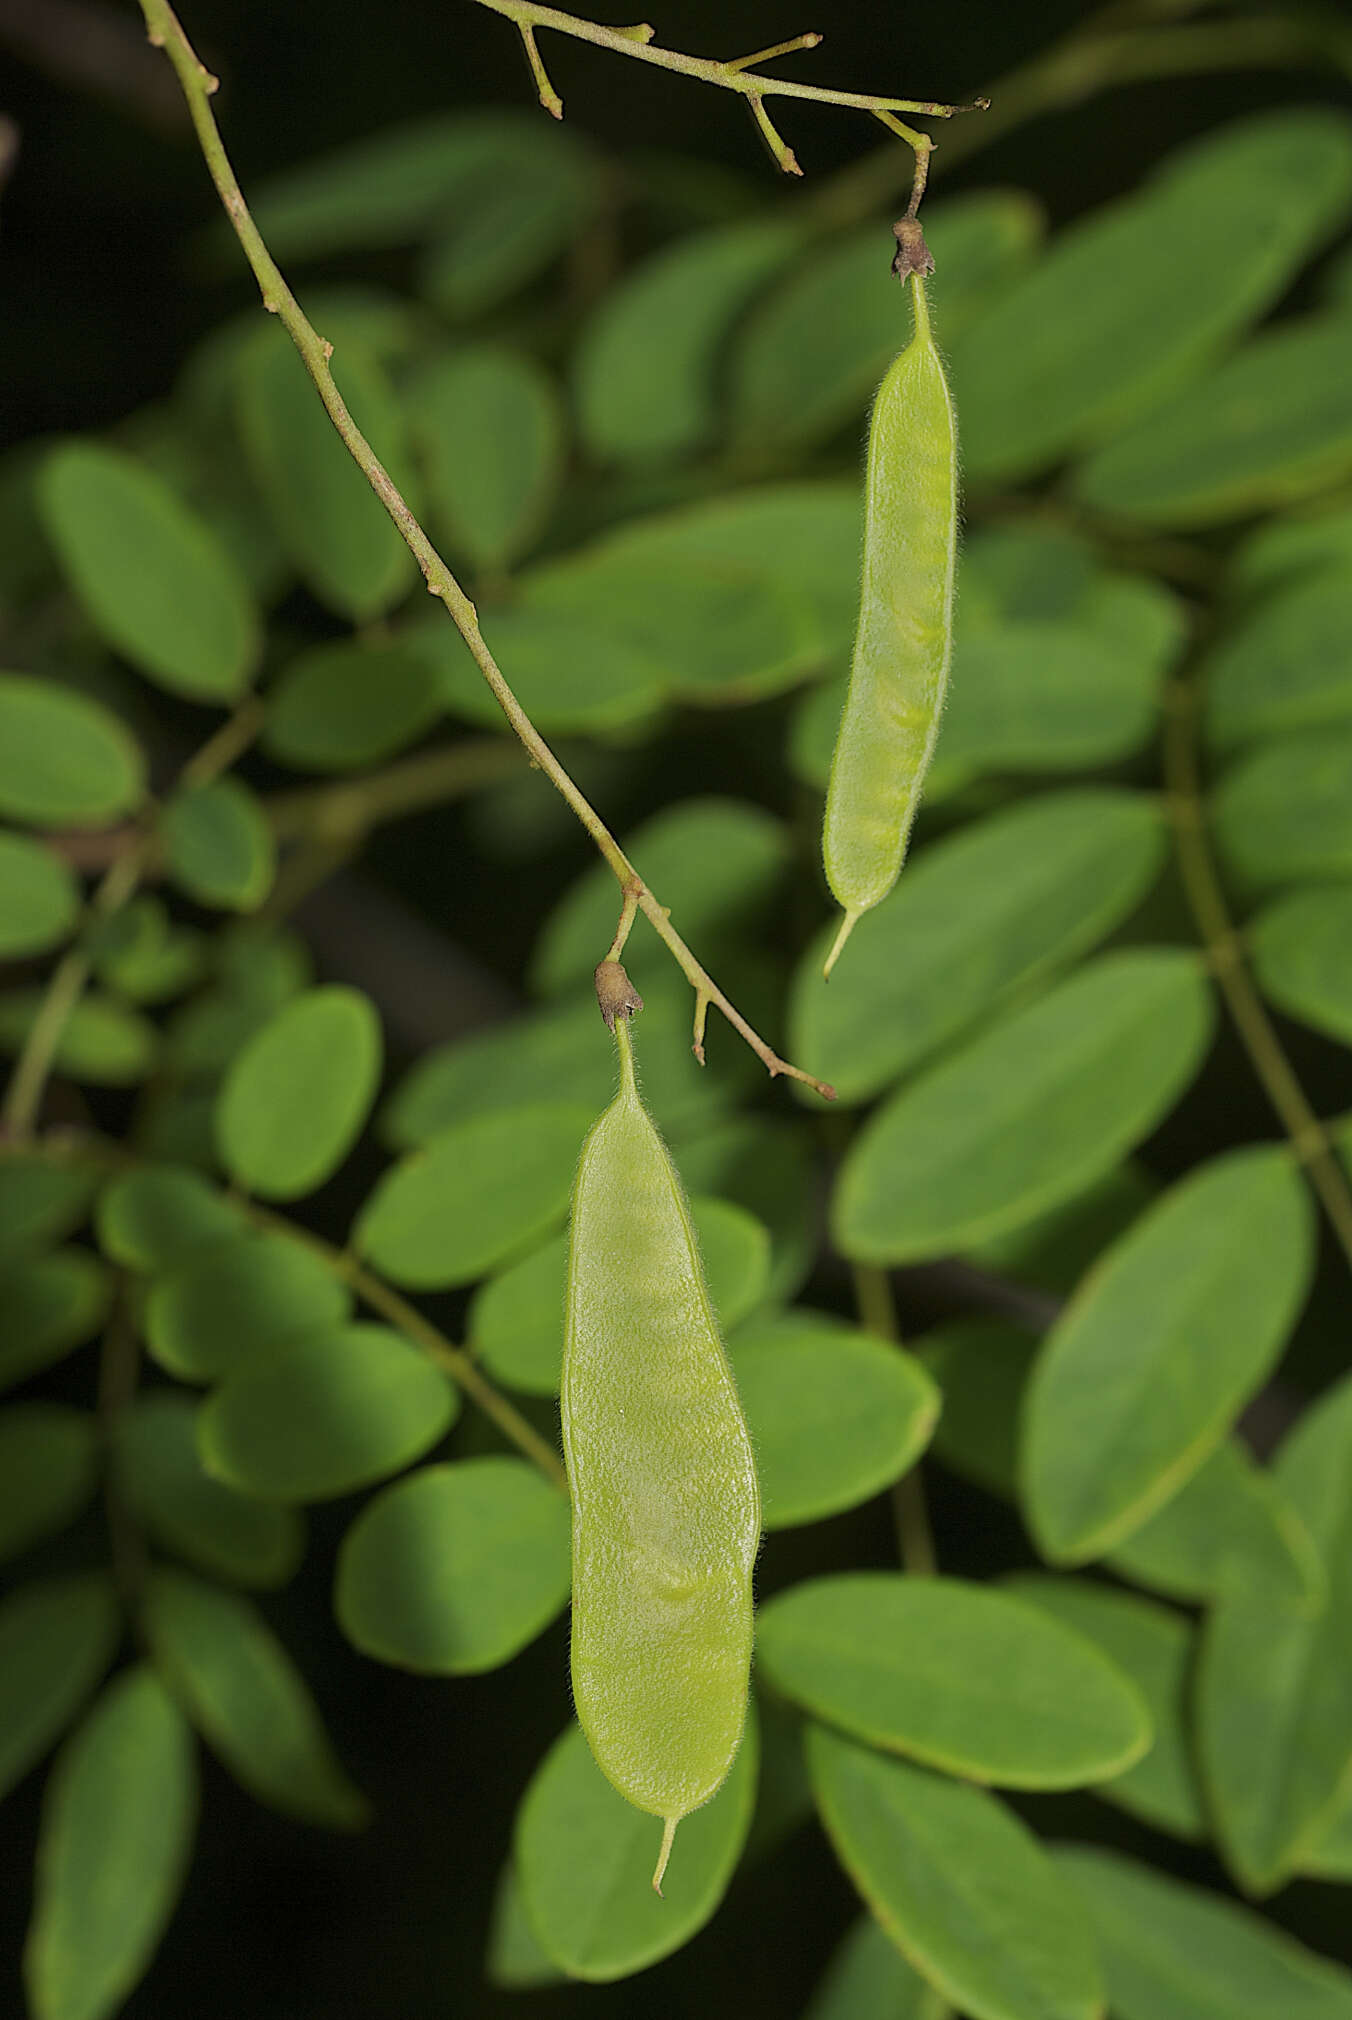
point(344, 811)
point(23, 1097)
point(198, 85)
point(878, 1312)
point(1202, 886)
point(736, 74)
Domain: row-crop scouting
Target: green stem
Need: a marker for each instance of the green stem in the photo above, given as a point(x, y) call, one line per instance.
point(198, 85)
point(878, 1313)
point(1202, 886)
point(347, 810)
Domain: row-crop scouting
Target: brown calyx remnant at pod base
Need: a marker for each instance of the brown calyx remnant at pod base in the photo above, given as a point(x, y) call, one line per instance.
point(615, 993)
point(913, 256)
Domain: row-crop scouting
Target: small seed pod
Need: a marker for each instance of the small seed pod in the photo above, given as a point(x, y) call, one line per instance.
point(666, 1507)
point(904, 640)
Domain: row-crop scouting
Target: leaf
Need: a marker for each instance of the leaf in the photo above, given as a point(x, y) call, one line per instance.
point(1283, 667)
point(1042, 694)
point(869, 1979)
point(645, 369)
point(1141, 296)
point(959, 1883)
point(835, 1415)
point(156, 1216)
point(1273, 424)
point(142, 955)
point(65, 760)
point(800, 538)
point(49, 1468)
point(339, 537)
point(977, 916)
point(1274, 1715)
point(1028, 1112)
point(296, 1098)
point(325, 1414)
point(260, 967)
point(1284, 813)
point(515, 1323)
point(713, 861)
point(1330, 1857)
point(1053, 1250)
point(43, 1198)
point(810, 355)
point(39, 898)
point(530, 199)
point(1297, 544)
point(455, 1569)
point(1152, 1645)
point(568, 674)
point(393, 187)
point(767, 1165)
point(218, 846)
point(1301, 949)
point(47, 1306)
point(1228, 1521)
point(241, 1689)
point(102, 1043)
point(118, 1821)
point(490, 428)
point(1177, 1952)
point(1167, 1340)
point(224, 1533)
point(981, 1366)
point(57, 1638)
point(514, 1961)
point(530, 1058)
point(584, 1859)
point(156, 582)
point(217, 1307)
point(476, 1195)
point(958, 1676)
point(717, 631)
point(352, 703)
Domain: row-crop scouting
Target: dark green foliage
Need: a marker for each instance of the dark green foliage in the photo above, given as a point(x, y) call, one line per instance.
point(641, 445)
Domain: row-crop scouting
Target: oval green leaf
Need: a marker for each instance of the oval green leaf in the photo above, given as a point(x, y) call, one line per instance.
point(155, 580)
point(568, 673)
point(353, 703)
point(326, 1414)
point(1177, 1952)
point(224, 1533)
point(835, 1416)
point(455, 1569)
point(117, 1828)
point(48, 1305)
point(957, 1676)
point(490, 428)
point(39, 898)
point(1028, 1112)
point(1301, 949)
point(65, 760)
point(296, 1098)
point(977, 916)
point(49, 1468)
point(478, 1194)
point(1284, 814)
point(240, 1296)
point(250, 1702)
point(584, 1858)
point(218, 846)
point(1168, 1339)
point(1284, 667)
point(103, 1042)
point(1228, 1521)
point(56, 1640)
point(153, 1218)
point(869, 1979)
point(1153, 1645)
point(959, 1884)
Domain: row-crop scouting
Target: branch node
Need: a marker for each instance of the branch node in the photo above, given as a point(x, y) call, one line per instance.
point(701, 1015)
point(639, 31)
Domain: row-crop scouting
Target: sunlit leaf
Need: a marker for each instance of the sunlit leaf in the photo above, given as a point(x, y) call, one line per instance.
point(296, 1098)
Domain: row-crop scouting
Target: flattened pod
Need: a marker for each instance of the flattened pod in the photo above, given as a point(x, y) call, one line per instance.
point(666, 1508)
point(903, 643)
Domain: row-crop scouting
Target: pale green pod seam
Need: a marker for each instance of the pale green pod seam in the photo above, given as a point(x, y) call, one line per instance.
point(666, 1506)
point(899, 673)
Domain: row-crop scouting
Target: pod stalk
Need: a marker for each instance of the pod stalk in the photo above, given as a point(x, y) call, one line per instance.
point(668, 1834)
point(847, 926)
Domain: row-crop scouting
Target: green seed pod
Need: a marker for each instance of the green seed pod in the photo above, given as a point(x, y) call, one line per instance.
point(904, 640)
point(666, 1507)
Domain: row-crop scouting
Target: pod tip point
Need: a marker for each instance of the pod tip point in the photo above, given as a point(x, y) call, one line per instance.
point(847, 926)
point(668, 1833)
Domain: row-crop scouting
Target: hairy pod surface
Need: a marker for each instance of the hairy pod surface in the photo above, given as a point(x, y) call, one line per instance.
point(904, 639)
point(666, 1507)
